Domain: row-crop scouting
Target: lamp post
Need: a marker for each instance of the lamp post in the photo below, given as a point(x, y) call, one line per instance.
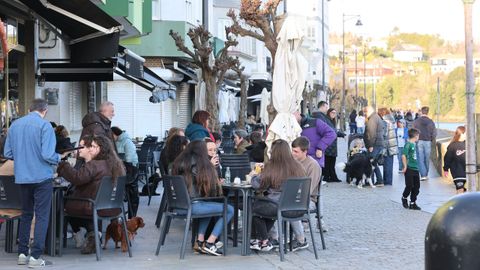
point(471, 162)
point(344, 90)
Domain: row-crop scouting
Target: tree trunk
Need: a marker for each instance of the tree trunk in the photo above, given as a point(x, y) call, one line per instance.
point(211, 100)
point(243, 102)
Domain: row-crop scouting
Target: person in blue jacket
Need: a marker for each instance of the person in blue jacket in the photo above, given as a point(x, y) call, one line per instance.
point(198, 129)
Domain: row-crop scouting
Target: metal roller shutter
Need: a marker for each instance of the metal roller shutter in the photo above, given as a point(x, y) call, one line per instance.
point(184, 105)
point(123, 97)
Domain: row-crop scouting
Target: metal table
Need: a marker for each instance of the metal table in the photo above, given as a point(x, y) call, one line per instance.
point(55, 227)
point(246, 191)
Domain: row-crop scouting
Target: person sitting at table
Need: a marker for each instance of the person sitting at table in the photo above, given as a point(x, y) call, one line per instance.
point(63, 141)
point(202, 181)
point(100, 160)
point(174, 146)
point(199, 128)
point(240, 137)
point(257, 149)
point(213, 156)
point(127, 150)
point(277, 170)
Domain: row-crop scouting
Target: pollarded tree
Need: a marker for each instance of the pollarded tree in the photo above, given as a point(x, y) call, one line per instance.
point(243, 93)
point(260, 22)
point(213, 66)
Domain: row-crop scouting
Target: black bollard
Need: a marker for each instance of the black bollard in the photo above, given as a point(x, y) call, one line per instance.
point(452, 240)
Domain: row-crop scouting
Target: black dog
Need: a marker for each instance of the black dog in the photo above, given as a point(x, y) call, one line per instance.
point(359, 167)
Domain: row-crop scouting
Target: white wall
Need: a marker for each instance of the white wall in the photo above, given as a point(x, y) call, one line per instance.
point(181, 10)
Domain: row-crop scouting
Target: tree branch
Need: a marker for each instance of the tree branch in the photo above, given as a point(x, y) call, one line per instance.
point(180, 43)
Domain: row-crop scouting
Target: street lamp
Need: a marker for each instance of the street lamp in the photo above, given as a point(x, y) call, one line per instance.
point(344, 91)
point(471, 161)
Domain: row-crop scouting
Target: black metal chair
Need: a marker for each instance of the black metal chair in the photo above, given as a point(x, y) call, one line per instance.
point(10, 208)
point(109, 196)
point(180, 206)
point(131, 188)
point(292, 206)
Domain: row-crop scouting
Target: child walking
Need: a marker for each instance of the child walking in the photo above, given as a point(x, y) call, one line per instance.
point(410, 170)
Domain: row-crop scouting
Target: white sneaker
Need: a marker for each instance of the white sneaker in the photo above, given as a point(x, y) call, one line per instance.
point(324, 227)
point(35, 263)
point(22, 259)
point(324, 183)
point(79, 238)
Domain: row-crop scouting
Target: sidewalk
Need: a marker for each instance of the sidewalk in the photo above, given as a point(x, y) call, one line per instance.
point(368, 229)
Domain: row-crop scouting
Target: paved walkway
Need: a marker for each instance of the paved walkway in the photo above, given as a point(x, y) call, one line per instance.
point(368, 229)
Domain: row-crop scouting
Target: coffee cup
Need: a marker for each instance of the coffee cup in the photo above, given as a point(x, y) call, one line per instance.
point(248, 179)
point(237, 181)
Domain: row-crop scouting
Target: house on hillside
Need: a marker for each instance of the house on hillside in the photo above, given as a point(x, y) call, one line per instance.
point(408, 53)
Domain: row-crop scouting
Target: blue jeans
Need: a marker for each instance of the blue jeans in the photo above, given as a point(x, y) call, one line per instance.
point(424, 149)
point(388, 170)
point(377, 150)
point(399, 157)
point(360, 130)
point(202, 208)
point(36, 198)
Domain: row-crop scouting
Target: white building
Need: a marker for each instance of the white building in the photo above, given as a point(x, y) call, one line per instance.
point(408, 53)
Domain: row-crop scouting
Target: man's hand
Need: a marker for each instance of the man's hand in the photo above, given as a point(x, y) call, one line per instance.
point(319, 153)
point(370, 149)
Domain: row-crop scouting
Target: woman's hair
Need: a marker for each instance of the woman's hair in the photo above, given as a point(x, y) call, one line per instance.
point(281, 166)
point(175, 146)
point(205, 179)
point(383, 111)
point(201, 117)
point(107, 153)
point(334, 120)
point(458, 132)
point(61, 131)
point(116, 131)
point(360, 113)
point(172, 132)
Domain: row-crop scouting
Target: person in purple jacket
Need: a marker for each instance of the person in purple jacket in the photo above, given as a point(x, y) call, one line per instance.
point(320, 135)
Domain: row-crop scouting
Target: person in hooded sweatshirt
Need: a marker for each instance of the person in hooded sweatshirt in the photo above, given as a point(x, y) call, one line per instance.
point(198, 129)
point(454, 160)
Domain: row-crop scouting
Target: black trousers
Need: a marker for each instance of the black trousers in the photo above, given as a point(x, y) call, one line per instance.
point(329, 171)
point(131, 188)
point(412, 184)
point(262, 225)
point(76, 223)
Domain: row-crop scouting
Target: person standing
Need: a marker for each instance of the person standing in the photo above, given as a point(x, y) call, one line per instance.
point(410, 170)
point(428, 133)
point(374, 138)
point(360, 121)
point(353, 122)
point(401, 133)
point(390, 145)
point(99, 123)
point(31, 143)
point(454, 160)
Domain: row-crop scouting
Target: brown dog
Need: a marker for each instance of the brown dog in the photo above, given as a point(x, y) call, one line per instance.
point(115, 231)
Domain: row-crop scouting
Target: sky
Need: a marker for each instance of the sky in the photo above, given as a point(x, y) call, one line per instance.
point(379, 17)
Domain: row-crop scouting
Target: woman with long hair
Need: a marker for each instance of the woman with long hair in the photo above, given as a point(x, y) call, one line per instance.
point(454, 160)
point(173, 147)
point(100, 160)
point(202, 181)
point(199, 128)
point(277, 170)
point(63, 141)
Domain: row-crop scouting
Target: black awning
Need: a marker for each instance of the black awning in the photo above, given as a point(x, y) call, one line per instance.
point(188, 72)
point(92, 34)
point(147, 79)
point(72, 72)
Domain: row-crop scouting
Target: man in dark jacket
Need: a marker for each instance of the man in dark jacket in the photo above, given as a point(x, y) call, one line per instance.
point(331, 152)
point(374, 137)
point(99, 123)
point(428, 133)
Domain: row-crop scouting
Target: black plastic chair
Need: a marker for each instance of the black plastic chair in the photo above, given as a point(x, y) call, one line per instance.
point(318, 214)
point(109, 196)
point(10, 208)
point(131, 187)
point(292, 206)
point(180, 206)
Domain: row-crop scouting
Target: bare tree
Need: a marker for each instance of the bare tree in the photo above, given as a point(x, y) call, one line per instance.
point(213, 67)
point(260, 22)
point(243, 93)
